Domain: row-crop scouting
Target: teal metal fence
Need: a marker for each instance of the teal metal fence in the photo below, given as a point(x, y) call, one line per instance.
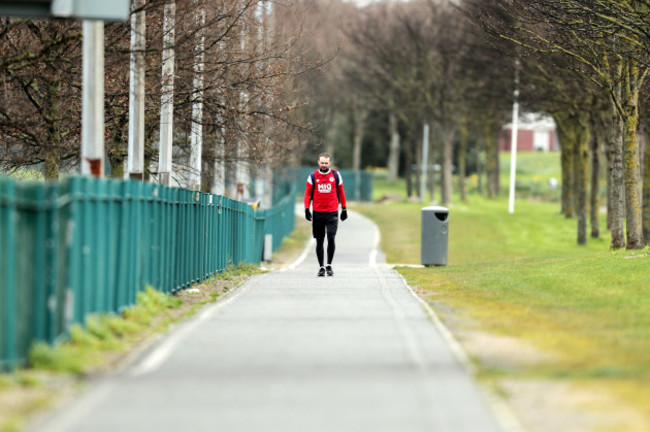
point(358, 184)
point(86, 246)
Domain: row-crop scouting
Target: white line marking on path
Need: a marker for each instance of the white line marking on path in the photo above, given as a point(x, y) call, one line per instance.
point(158, 356)
point(507, 418)
point(372, 257)
point(308, 247)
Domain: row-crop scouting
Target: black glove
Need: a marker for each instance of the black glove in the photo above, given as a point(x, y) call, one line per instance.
point(307, 214)
point(344, 214)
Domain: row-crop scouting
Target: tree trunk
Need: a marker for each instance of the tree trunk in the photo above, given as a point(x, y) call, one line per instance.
point(51, 166)
point(480, 164)
point(594, 206)
point(408, 161)
point(433, 157)
point(567, 149)
point(616, 173)
point(646, 194)
point(447, 165)
point(118, 149)
point(393, 156)
point(491, 162)
point(360, 115)
point(633, 212)
point(462, 162)
point(418, 170)
point(431, 178)
point(117, 164)
point(581, 169)
point(208, 156)
point(219, 169)
point(337, 123)
point(51, 163)
point(196, 126)
point(608, 161)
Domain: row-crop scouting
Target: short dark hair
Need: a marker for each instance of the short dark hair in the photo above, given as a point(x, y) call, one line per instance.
point(327, 155)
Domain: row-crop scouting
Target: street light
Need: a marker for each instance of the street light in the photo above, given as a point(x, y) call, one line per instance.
point(513, 139)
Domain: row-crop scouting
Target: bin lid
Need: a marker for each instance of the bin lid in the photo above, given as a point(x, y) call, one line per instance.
point(436, 209)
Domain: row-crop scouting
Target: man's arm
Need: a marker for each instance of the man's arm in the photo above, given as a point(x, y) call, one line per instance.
point(344, 211)
point(308, 189)
point(342, 195)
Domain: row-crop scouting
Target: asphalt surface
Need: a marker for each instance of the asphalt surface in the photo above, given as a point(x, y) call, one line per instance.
point(289, 351)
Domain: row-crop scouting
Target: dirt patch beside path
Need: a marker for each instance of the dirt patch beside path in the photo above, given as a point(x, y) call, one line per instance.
point(550, 406)
point(542, 404)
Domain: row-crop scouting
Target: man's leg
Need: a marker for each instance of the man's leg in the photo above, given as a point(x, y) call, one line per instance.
point(332, 227)
point(319, 254)
point(320, 250)
point(331, 247)
point(318, 231)
point(330, 253)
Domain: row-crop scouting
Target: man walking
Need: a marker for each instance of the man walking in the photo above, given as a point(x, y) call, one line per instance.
point(325, 190)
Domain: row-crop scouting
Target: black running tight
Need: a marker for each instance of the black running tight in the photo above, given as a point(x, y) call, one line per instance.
point(320, 249)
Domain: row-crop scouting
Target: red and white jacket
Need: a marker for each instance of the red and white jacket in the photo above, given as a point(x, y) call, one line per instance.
point(324, 190)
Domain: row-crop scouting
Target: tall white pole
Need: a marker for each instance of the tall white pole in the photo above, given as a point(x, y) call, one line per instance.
point(265, 10)
point(513, 141)
point(136, 91)
point(219, 179)
point(197, 100)
point(167, 98)
point(92, 115)
point(242, 171)
point(425, 162)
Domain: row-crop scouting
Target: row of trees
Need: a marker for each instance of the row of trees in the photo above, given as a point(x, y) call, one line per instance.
point(401, 65)
point(230, 87)
point(249, 78)
point(451, 65)
point(592, 59)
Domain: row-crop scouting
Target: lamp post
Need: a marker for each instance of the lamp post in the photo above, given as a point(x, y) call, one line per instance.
point(513, 140)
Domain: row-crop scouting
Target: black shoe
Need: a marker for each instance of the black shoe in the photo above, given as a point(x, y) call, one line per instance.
point(330, 272)
point(321, 272)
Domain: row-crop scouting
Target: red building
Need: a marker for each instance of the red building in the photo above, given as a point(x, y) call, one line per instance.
point(535, 133)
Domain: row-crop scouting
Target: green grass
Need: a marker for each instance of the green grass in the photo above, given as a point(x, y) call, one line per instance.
point(524, 276)
point(233, 272)
point(101, 334)
point(154, 311)
point(381, 188)
point(294, 242)
point(534, 170)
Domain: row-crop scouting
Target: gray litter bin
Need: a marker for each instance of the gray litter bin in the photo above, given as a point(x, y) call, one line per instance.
point(434, 237)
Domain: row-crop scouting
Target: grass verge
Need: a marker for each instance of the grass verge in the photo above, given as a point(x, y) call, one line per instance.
point(583, 311)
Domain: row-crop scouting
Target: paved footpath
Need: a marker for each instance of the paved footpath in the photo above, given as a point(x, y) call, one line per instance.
point(288, 351)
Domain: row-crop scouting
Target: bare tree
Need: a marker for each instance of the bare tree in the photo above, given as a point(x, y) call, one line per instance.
point(39, 112)
point(39, 52)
